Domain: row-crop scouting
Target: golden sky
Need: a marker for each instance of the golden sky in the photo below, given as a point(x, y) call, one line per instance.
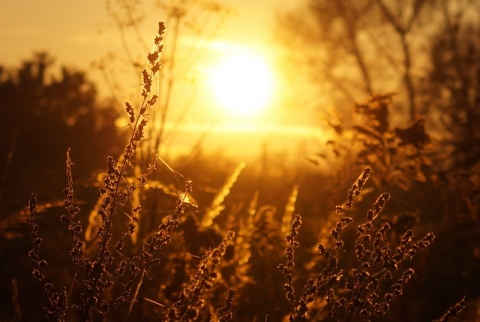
point(77, 32)
point(67, 29)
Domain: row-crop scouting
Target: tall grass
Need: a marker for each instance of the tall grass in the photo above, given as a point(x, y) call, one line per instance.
point(358, 270)
point(367, 289)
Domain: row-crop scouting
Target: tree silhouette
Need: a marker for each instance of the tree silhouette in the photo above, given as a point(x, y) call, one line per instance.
point(45, 112)
point(454, 87)
point(356, 49)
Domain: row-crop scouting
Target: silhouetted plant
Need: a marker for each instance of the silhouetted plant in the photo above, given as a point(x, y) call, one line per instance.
point(111, 273)
point(357, 293)
point(190, 301)
point(453, 311)
point(398, 155)
point(93, 275)
point(356, 274)
point(224, 313)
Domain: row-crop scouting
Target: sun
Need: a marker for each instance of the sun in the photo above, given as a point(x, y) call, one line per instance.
point(243, 83)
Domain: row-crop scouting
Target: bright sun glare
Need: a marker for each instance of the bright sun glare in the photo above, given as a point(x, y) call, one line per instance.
point(242, 83)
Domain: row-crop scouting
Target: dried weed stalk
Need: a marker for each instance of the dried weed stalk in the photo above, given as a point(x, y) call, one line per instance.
point(190, 301)
point(96, 274)
point(364, 291)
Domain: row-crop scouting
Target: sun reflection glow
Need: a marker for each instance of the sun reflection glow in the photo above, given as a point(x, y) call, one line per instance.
point(242, 83)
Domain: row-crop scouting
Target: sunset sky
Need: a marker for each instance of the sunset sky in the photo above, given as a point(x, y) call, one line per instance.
point(79, 33)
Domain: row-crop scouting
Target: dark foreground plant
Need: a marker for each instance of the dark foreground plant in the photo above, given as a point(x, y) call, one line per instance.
point(95, 275)
point(454, 310)
point(109, 275)
point(190, 301)
point(357, 293)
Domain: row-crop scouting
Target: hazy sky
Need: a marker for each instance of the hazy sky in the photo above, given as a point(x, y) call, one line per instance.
point(70, 30)
point(78, 33)
point(67, 29)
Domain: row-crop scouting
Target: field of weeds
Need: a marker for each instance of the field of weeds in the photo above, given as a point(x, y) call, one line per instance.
point(380, 225)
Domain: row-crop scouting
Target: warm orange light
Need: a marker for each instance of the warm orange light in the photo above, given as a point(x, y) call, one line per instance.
point(242, 83)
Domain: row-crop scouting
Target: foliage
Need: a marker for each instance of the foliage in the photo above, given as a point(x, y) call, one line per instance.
point(362, 292)
point(425, 141)
point(399, 155)
point(453, 87)
point(145, 249)
point(423, 50)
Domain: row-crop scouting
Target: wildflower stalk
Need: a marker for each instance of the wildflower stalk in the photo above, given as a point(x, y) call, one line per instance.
point(287, 269)
point(190, 301)
point(360, 299)
point(71, 220)
point(156, 243)
point(111, 190)
point(454, 310)
point(224, 313)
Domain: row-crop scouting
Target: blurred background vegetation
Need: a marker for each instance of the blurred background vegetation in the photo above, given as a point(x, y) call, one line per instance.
point(390, 84)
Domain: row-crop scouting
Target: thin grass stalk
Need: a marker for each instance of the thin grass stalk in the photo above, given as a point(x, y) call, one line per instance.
point(135, 294)
point(116, 175)
point(108, 225)
point(170, 82)
point(217, 204)
point(289, 210)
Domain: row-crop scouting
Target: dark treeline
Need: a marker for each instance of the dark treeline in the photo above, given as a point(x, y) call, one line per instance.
point(47, 109)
